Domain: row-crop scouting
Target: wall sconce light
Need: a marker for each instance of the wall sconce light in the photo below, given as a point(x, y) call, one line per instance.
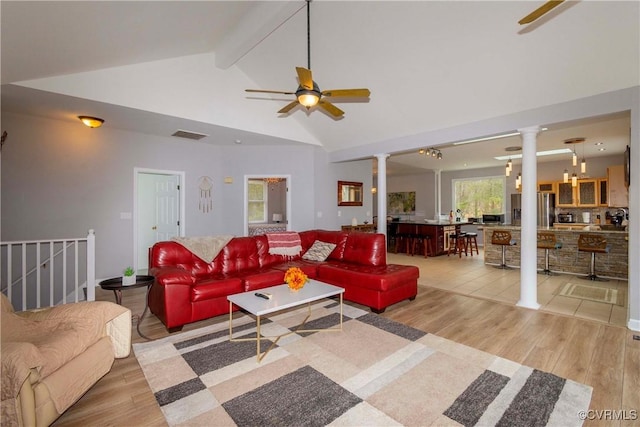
point(92, 122)
point(374, 190)
point(277, 217)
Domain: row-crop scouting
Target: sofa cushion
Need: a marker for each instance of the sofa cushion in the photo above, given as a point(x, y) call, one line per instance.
point(380, 278)
point(339, 238)
point(216, 288)
point(310, 268)
point(319, 251)
point(366, 249)
point(261, 278)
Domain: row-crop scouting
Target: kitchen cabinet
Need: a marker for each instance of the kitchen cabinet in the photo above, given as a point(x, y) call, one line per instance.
point(618, 191)
point(603, 192)
point(566, 195)
point(546, 187)
point(587, 193)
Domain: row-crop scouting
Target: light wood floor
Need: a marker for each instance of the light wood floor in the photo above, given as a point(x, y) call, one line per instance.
point(596, 353)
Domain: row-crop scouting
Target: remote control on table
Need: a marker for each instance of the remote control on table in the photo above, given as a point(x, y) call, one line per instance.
point(264, 295)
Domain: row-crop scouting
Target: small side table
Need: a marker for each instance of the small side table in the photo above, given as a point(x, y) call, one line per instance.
point(116, 286)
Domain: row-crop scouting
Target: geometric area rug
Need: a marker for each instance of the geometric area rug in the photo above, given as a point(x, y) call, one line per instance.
point(375, 372)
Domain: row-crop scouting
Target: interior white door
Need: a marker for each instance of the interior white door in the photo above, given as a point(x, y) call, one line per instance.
point(167, 196)
point(158, 203)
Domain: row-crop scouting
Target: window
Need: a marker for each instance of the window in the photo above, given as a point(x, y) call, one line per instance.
point(477, 196)
point(257, 195)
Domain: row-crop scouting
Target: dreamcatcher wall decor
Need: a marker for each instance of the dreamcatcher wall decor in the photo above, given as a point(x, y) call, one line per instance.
point(206, 204)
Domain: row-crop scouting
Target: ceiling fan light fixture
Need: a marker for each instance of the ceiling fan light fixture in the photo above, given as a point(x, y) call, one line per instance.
point(307, 98)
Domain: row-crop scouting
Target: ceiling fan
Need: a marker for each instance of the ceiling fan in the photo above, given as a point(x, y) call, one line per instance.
point(308, 94)
point(542, 10)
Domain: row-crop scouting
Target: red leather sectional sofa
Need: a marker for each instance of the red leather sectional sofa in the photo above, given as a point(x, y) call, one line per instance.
point(188, 289)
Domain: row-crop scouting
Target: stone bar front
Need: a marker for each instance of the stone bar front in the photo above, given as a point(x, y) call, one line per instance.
point(615, 264)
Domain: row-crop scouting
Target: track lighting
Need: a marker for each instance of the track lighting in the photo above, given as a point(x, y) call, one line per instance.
point(431, 152)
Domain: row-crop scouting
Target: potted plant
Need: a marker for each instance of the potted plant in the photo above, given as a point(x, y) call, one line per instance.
point(128, 277)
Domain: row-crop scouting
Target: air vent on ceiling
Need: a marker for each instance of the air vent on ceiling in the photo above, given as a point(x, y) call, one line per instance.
point(188, 134)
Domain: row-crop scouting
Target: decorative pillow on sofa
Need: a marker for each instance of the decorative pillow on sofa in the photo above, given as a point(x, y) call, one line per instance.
point(319, 251)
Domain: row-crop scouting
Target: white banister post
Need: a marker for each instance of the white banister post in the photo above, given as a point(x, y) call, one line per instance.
point(91, 266)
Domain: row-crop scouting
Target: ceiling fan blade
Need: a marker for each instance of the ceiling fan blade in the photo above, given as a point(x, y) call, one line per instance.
point(330, 108)
point(304, 76)
point(540, 11)
point(364, 93)
point(288, 107)
point(270, 91)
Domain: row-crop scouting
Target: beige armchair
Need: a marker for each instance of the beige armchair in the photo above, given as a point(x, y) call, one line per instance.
point(51, 357)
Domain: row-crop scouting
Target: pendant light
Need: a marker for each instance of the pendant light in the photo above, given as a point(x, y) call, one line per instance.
point(574, 159)
point(565, 176)
point(507, 171)
point(583, 164)
point(574, 180)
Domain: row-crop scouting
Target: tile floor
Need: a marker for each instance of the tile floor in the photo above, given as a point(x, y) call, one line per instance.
point(470, 276)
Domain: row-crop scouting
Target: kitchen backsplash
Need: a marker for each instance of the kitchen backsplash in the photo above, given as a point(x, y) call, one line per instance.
point(594, 213)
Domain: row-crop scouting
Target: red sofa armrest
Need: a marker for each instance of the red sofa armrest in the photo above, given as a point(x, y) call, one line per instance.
point(172, 276)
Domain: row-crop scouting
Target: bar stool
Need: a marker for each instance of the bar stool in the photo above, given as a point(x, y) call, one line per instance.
point(423, 240)
point(593, 243)
point(404, 242)
point(457, 242)
point(471, 242)
point(502, 238)
point(546, 241)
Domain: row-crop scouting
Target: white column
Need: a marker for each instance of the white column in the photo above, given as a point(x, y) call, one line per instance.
point(529, 229)
point(438, 192)
point(382, 193)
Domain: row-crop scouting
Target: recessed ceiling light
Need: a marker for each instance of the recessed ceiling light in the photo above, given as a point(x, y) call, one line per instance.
point(602, 149)
point(237, 141)
point(598, 143)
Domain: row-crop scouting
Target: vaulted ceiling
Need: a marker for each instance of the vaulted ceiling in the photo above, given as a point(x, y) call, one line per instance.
point(155, 67)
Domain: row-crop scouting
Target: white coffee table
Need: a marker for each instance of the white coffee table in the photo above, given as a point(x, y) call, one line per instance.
point(282, 299)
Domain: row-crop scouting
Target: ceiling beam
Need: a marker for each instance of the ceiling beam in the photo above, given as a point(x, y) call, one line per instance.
point(257, 25)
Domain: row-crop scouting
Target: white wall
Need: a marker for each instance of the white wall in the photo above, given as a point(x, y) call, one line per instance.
point(60, 179)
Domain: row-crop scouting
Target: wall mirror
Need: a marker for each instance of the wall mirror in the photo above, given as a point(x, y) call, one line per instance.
point(349, 193)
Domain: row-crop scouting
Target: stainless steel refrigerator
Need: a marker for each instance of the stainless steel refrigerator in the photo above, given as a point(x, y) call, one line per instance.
point(546, 209)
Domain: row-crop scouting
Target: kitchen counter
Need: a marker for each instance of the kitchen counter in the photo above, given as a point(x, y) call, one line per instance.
point(438, 232)
point(615, 264)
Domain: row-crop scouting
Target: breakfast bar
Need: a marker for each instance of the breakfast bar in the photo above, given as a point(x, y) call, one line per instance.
point(436, 231)
point(567, 259)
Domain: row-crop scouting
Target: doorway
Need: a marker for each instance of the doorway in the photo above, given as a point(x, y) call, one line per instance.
point(159, 210)
point(267, 204)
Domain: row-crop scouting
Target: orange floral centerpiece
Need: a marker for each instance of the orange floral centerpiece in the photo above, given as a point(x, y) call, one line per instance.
point(295, 278)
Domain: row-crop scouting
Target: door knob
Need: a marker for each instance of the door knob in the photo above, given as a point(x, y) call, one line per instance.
point(154, 228)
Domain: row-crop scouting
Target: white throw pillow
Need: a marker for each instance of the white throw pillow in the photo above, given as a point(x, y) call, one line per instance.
point(319, 251)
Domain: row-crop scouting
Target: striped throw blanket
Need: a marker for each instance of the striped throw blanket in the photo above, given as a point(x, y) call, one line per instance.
point(285, 243)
